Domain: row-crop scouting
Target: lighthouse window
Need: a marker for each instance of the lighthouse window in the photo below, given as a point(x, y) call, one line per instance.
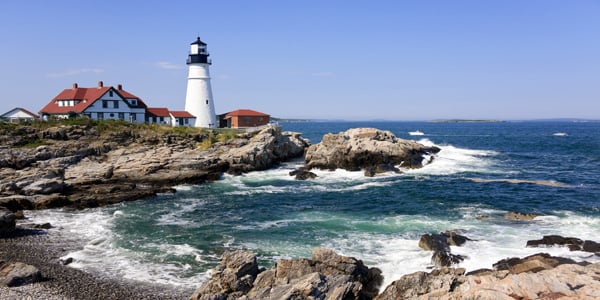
point(206, 101)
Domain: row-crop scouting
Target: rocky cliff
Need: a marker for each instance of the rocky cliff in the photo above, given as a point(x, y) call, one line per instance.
point(87, 166)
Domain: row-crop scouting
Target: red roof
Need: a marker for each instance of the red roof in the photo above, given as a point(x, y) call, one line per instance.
point(158, 111)
point(245, 113)
point(182, 114)
point(86, 97)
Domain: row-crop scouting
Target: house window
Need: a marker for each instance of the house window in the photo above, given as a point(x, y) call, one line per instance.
point(112, 115)
point(133, 117)
point(121, 116)
point(186, 121)
point(100, 116)
point(104, 104)
point(161, 119)
point(116, 104)
point(110, 93)
point(133, 102)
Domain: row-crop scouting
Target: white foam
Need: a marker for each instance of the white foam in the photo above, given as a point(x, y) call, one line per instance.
point(453, 160)
point(100, 254)
point(182, 206)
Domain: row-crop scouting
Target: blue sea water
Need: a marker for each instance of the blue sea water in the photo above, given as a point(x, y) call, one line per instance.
point(178, 238)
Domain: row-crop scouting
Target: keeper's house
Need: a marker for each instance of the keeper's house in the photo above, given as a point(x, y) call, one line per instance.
point(97, 103)
point(17, 115)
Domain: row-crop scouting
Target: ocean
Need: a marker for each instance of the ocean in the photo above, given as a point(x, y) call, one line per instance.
point(176, 239)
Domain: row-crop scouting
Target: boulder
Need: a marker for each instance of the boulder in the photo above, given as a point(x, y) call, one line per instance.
point(532, 264)
point(303, 174)
point(233, 277)
point(266, 148)
point(16, 274)
point(440, 245)
point(518, 216)
point(7, 220)
point(327, 275)
point(16, 202)
point(363, 148)
point(574, 244)
point(419, 285)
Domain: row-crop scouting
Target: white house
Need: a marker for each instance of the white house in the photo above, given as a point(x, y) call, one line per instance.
point(17, 115)
point(98, 103)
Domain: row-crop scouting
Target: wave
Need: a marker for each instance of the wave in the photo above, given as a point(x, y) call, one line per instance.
point(101, 253)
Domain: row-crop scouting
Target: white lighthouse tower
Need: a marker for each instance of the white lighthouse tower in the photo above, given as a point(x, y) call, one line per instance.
point(198, 98)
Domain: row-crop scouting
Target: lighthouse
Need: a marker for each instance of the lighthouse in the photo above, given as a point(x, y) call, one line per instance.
point(199, 98)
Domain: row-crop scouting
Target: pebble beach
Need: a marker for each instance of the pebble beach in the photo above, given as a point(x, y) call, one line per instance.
point(43, 249)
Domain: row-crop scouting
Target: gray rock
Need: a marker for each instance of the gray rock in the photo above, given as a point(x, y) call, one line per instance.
point(326, 275)
point(532, 264)
point(7, 220)
point(440, 245)
point(16, 274)
point(303, 174)
point(363, 148)
point(419, 284)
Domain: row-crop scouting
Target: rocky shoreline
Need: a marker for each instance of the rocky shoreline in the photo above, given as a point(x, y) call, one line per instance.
point(83, 166)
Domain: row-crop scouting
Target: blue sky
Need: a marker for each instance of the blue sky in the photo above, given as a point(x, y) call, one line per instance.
point(359, 60)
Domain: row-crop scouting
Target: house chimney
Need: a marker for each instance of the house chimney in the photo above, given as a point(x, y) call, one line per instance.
point(100, 84)
point(119, 87)
point(75, 85)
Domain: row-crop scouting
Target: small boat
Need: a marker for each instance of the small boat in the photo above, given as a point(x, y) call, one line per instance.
point(560, 134)
point(417, 132)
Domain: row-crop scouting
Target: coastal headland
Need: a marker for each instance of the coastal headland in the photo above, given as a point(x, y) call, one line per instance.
point(89, 165)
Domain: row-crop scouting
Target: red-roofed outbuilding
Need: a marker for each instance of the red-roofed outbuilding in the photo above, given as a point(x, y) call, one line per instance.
point(244, 118)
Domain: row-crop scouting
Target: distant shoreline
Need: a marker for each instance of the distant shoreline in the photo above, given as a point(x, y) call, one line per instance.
point(467, 121)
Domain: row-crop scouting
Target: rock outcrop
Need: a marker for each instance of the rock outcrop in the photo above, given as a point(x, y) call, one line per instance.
point(440, 245)
point(574, 244)
point(80, 166)
point(326, 275)
point(368, 149)
point(538, 276)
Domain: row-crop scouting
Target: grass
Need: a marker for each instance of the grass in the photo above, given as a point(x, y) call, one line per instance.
point(207, 136)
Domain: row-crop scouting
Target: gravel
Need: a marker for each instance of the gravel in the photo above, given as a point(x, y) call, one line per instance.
point(43, 250)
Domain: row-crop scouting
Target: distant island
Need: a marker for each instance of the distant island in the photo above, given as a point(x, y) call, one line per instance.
point(467, 121)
